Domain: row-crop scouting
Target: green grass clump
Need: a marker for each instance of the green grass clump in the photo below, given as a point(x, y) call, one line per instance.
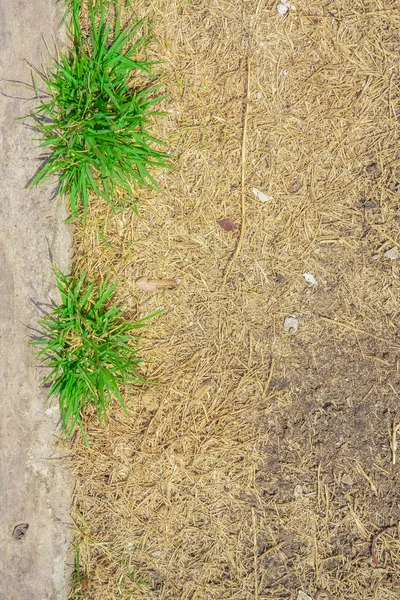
point(93, 120)
point(90, 349)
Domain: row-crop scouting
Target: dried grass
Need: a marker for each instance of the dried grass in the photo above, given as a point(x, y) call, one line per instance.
point(177, 493)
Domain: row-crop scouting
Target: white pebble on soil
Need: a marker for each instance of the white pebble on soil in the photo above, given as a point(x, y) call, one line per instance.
point(393, 253)
point(261, 195)
point(303, 596)
point(291, 325)
point(282, 9)
point(284, 6)
point(309, 277)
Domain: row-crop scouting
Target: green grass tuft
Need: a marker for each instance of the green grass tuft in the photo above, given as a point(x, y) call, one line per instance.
point(90, 349)
point(92, 119)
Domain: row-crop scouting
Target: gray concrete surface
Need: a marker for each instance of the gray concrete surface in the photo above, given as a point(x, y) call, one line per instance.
point(34, 484)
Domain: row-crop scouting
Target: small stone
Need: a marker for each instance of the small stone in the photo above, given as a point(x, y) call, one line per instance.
point(371, 204)
point(291, 325)
point(282, 9)
point(310, 279)
point(303, 596)
point(258, 95)
point(392, 253)
point(156, 553)
point(375, 257)
point(298, 492)
point(347, 480)
point(262, 195)
point(288, 4)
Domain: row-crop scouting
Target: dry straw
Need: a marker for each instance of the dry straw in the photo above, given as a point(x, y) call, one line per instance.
point(223, 493)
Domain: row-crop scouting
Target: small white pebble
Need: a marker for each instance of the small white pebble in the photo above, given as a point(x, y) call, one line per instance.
point(262, 44)
point(291, 325)
point(347, 480)
point(258, 95)
point(309, 277)
point(190, 323)
point(393, 253)
point(282, 9)
point(262, 195)
point(303, 596)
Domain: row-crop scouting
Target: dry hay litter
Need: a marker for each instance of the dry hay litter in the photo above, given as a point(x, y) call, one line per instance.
point(171, 501)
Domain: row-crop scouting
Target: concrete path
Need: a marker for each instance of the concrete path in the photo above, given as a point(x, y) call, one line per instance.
point(34, 484)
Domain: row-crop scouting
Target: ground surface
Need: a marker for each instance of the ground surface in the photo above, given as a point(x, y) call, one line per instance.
point(263, 463)
point(34, 488)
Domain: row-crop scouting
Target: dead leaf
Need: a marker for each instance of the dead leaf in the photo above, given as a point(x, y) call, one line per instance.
point(227, 224)
point(154, 286)
point(202, 390)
